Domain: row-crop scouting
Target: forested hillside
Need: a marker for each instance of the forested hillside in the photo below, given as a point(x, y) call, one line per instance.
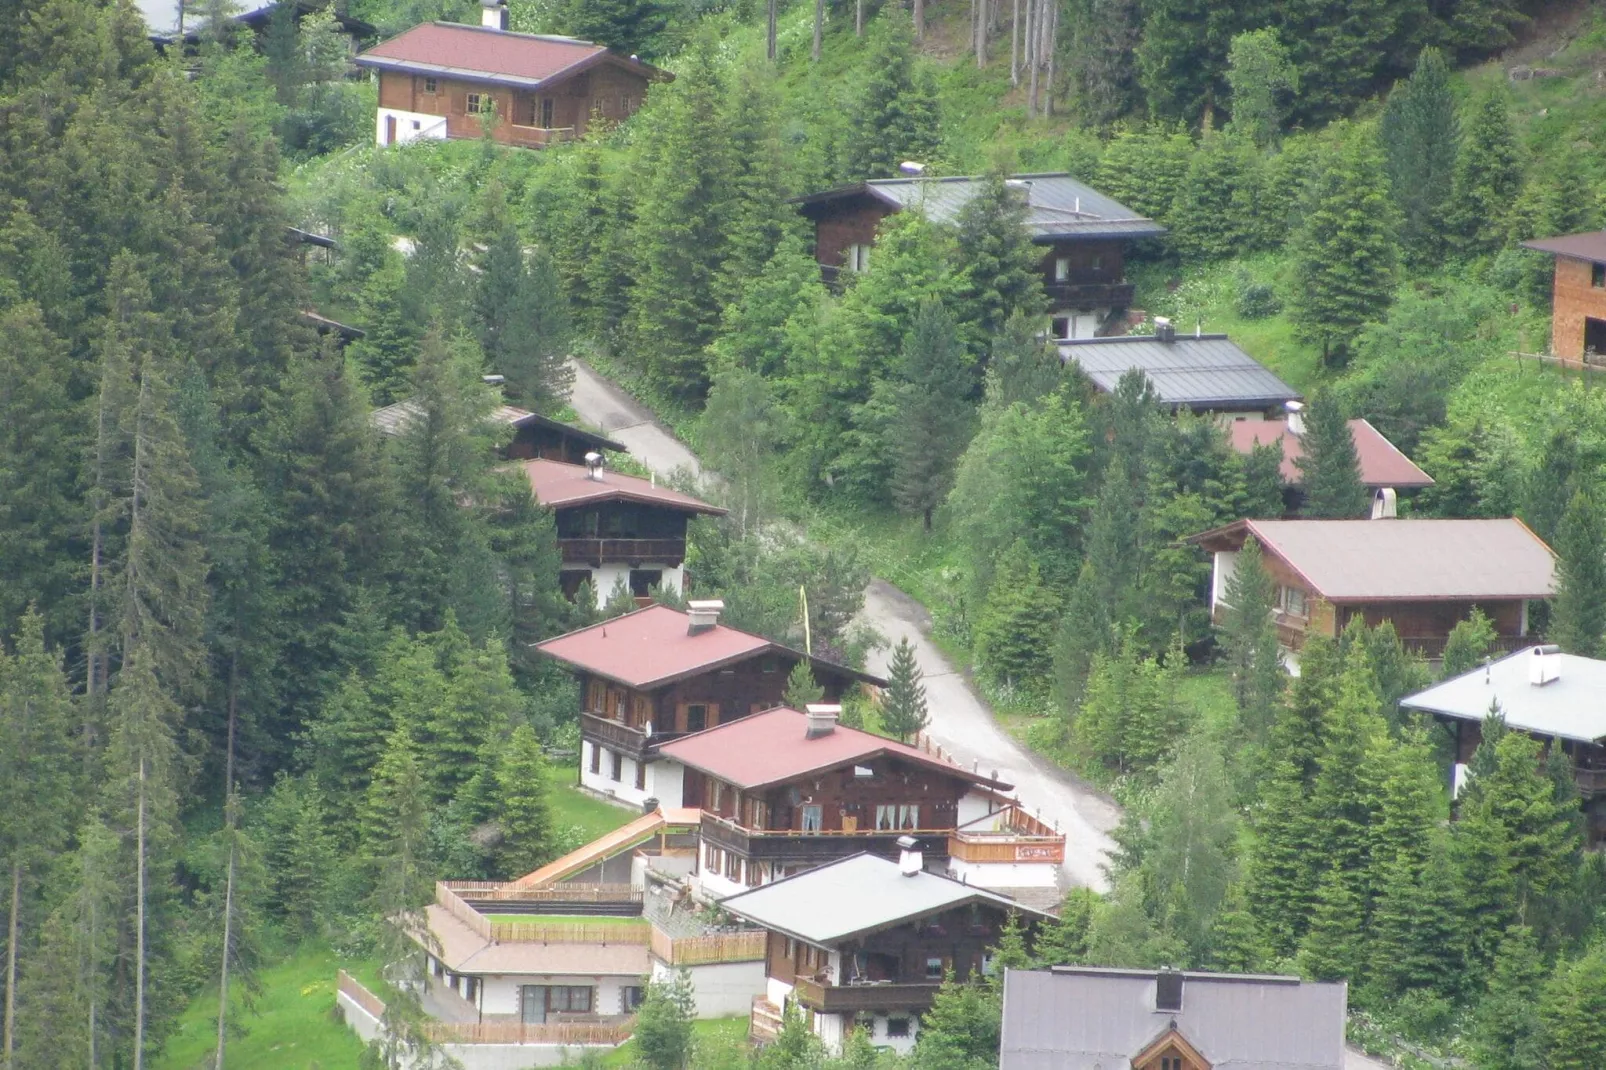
point(266, 675)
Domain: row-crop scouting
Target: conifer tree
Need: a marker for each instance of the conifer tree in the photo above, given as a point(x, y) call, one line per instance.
point(1343, 803)
point(1021, 365)
point(1420, 136)
point(903, 703)
point(1145, 168)
point(299, 847)
point(754, 327)
point(961, 1030)
point(1015, 627)
point(1415, 931)
point(395, 825)
point(1330, 468)
point(1063, 942)
point(1506, 1031)
point(482, 705)
point(801, 687)
point(232, 907)
point(1487, 177)
point(931, 427)
point(1578, 616)
point(1334, 947)
point(894, 117)
point(998, 266)
point(523, 808)
point(1214, 213)
point(535, 354)
point(1344, 247)
point(1468, 645)
point(1234, 939)
point(385, 352)
point(1250, 637)
point(1281, 873)
point(664, 1023)
point(759, 214)
point(1572, 1007)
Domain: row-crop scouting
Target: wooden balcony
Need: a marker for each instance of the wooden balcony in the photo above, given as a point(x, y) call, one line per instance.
point(874, 996)
point(1591, 782)
point(1088, 294)
point(598, 551)
point(534, 137)
point(795, 847)
point(1432, 646)
point(615, 735)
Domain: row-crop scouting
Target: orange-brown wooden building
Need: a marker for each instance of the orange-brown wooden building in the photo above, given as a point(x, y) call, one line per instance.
point(447, 80)
point(1578, 296)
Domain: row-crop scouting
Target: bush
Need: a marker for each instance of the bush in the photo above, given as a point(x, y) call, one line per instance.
point(1257, 301)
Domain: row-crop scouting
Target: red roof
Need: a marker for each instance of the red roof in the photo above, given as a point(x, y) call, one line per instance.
point(773, 747)
point(560, 486)
point(486, 54)
point(1382, 463)
point(653, 646)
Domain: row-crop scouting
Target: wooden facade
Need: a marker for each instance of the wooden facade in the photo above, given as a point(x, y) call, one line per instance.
point(621, 533)
point(1589, 769)
point(551, 442)
point(527, 118)
point(1578, 309)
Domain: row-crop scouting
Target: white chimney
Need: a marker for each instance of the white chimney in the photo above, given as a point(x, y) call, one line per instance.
point(910, 860)
point(493, 14)
point(594, 466)
point(703, 615)
point(1385, 504)
point(1164, 329)
point(1545, 666)
point(822, 719)
point(1296, 417)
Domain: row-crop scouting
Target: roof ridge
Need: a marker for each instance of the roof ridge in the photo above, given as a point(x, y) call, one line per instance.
point(555, 38)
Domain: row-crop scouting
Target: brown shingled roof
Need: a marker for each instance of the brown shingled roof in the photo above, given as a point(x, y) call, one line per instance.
point(1405, 560)
point(1382, 463)
point(652, 647)
point(773, 747)
point(479, 53)
point(561, 486)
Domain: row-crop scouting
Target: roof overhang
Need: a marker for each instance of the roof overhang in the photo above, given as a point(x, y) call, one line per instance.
point(468, 74)
point(624, 494)
point(769, 647)
point(943, 767)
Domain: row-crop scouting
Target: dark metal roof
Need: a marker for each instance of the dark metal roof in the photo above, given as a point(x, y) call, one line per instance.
point(1196, 371)
point(1590, 245)
point(307, 237)
point(1058, 206)
point(1082, 1018)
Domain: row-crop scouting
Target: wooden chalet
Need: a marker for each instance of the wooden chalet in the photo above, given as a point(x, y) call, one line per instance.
point(649, 677)
point(1558, 699)
point(1383, 467)
point(447, 80)
point(1082, 1017)
point(1423, 575)
point(1083, 235)
point(534, 435)
point(866, 941)
point(1578, 294)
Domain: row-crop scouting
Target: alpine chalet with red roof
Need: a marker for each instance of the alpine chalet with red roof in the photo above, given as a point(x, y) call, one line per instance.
point(448, 80)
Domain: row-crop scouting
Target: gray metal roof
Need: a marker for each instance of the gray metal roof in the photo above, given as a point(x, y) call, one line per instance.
point(1196, 371)
point(858, 894)
point(1058, 206)
point(393, 419)
point(1085, 1018)
point(1571, 706)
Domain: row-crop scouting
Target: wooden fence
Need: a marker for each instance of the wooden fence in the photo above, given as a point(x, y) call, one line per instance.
point(506, 891)
point(561, 932)
point(359, 994)
point(703, 950)
point(563, 1033)
point(457, 908)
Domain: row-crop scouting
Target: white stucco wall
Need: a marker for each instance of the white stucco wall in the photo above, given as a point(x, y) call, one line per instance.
point(1226, 566)
point(502, 991)
point(718, 885)
point(624, 789)
point(475, 1056)
point(410, 125)
point(603, 579)
point(901, 1045)
point(1004, 874)
point(724, 989)
point(832, 1029)
point(666, 782)
point(776, 992)
point(973, 806)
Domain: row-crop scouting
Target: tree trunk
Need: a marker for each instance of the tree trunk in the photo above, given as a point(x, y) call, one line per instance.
point(1053, 43)
point(12, 926)
point(223, 970)
point(981, 33)
point(819, 27)
point(1014, 45)
point(234, 706)
point(139, 922)
point(1031, 56)
point(920, 20)
point(858, 18)
point(769, 30)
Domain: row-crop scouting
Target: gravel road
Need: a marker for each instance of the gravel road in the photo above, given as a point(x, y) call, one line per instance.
point(960, 722)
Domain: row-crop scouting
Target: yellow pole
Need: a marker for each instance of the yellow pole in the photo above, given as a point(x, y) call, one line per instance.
point(808, 639)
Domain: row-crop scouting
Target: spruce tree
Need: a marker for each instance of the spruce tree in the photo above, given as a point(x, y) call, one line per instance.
point(1334, 947)
point(1343, 801)
point(1415, 932)
point(1282, 870)
point(1213, 216)
point(1330, 468)
point(1506, 1031)
point(754, 329)
point(1343, 249)
point(1063, 942)
point(931, 427)
point(1249, 636)
point(801, 688)
point(664, 1023)
point(1572, 1007)
point(759, 215)
point(1578, 616)
point(1420, 136)
point(903, 703)
point(1145, 168)
point(1487, 178)
point(1468, 645)
point(1015, 628)
point(523, 806)
point(894, 115)
point(1021, 365)
point(535, 354)
point(1234, 941)
point(299, 846)
point(998, 265)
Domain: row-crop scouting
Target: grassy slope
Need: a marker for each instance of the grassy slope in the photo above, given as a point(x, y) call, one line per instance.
point(571, 806)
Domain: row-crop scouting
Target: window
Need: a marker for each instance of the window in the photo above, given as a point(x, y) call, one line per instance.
point(631, 997)
point(863, 772)
point(624, 105)
point(897, 1027)
point(1062, 269)
point(716, 791)
point(811, 819)
point(546, 113)
point(477, 104)
point(711, 859)
point(934, 969)
point(429, 85)
point(1293, 601)
point(1095, 262)
point(886, 817)
point(1597, 275)
point(1060, 326)
point(569, 999)
point(641, 776)
point(733, 866)
point(416, 124)
point(616, 771)
point(858, 257)
point(1170, 1062)
point(986, 964)
point(908, 817)
point(768, 665)
point(643, 580)
point(696, 721)
point(596, 758)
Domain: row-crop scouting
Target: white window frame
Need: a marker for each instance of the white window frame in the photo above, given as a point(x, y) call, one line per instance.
point(1062, 269)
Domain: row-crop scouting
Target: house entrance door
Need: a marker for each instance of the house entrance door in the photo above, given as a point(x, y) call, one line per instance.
point(1594, 336)
point(390, 130)
point(532, 1000)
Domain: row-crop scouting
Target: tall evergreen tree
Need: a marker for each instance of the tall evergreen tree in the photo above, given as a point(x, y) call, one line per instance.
point(1578, 617)
point(1330, 467)
point(894, 117)
point(801, 687)
point(1214, 214)
point(1344, 253)
point(1250, 637)
point(1334, 947)
point(1487, 177)
point(903, 703)
point(1573, 1010)
point(1468, 645)
point(1506, 1032)
point(759, 215)
point(996, 260)
point(523, 807)
point(930, 429)
point(1015, 628)
point(1420, 136)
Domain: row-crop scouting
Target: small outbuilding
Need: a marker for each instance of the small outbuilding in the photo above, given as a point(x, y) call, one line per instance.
point(1578, 294)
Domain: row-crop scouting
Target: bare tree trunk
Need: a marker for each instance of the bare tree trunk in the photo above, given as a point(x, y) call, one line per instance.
point(981, 33)
point(139, 920)
point(858, 18)
point(223, 970)
point(234, 709)
point(12, 925)
point(1014, 45)
point(920, 20)
point(1031, 56)
point(819, 27)
point(769, 30)
point(1053, 47)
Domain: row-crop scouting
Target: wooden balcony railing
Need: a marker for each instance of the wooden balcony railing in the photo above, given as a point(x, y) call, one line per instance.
point(1005, 847)
point(1591, 782)
point(1089, 294)
point(701, 950)
point(509, 892)
point(1432, 646)
point(848, 999)
point(797, 846)
point(610, 1032)
point(615, 735)
point(599, 551)
point(536, 136)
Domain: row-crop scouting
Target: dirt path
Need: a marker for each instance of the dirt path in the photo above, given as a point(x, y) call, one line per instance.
point(960, 721)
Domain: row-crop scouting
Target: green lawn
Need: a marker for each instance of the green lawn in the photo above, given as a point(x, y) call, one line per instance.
point(571, 806)
point(717, 1032)
point(294, 1027)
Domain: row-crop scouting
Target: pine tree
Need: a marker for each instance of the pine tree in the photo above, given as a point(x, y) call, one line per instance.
point(1506, 1032)
point(932, 424)
point(1573, 1010)
point(1330, 468)
point(894, 117)
point(1015, 627)
point(759, 215)
point(385, 353)
point(1578, 616)
point(35, 791)
point(1487, 178)
point(1415, 928)
point(1021, 365)
point(1234, 941)
point(1249, 636)
point(1420, 136)
point(1344, 248)
point(997, 263)
point(1145, 168)
point(1468, 645)
point(903, 703)
point(535, 354)
point(299, 847)
point(523, 808)
point(961, 1030)
point(1334, 948)
point(1063, 942)
point(801, 688)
